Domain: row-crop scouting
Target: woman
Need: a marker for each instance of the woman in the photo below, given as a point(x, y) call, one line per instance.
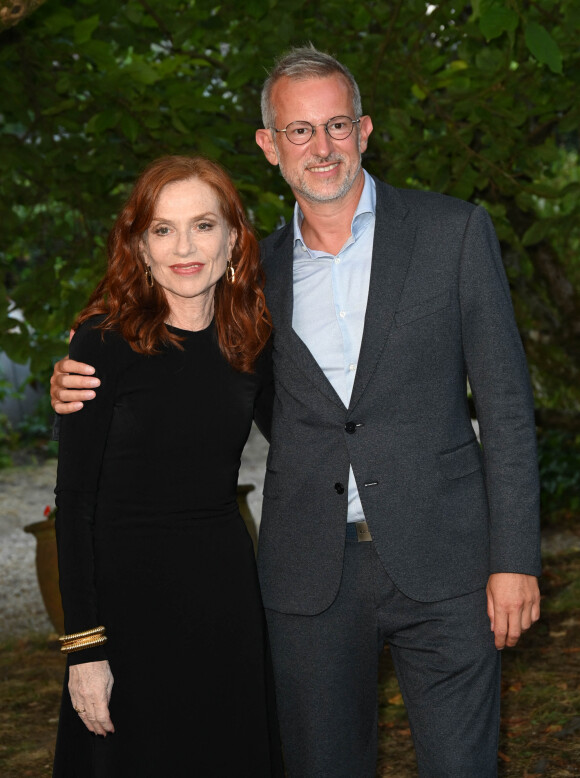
point(166, 641)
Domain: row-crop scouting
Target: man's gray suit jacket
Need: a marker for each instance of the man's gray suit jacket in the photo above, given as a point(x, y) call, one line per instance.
point(443, 512)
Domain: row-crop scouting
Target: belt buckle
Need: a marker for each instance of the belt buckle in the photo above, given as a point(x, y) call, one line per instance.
point(363, 534)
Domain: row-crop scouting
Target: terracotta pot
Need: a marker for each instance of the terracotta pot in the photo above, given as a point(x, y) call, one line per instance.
point(47, 559)
point(47, 570)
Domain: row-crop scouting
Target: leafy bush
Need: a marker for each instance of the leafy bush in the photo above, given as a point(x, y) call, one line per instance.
point(559, 460)
point(7, 440)
point(29, 439)
point(474, 100)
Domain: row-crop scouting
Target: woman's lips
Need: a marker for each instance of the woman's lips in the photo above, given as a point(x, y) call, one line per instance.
point(188, 269)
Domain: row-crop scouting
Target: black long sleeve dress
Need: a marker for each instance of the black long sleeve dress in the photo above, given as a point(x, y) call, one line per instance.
point(152, 546)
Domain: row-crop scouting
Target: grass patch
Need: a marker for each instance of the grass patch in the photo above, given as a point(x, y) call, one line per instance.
point(31, 676)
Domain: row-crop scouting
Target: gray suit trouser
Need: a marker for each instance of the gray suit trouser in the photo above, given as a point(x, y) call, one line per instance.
point(326, 678)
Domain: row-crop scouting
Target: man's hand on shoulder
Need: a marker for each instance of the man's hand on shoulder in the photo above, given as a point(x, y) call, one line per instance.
point(513, 605)
point(71, 384)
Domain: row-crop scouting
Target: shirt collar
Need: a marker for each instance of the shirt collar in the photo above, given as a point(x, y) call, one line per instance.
point(366, 205)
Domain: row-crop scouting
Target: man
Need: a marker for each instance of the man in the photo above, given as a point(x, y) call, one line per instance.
point(383, 521)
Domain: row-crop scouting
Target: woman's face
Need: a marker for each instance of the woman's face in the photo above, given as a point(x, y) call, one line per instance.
point(188, 242)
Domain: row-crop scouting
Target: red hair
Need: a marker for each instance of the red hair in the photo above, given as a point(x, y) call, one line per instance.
point(139, 313)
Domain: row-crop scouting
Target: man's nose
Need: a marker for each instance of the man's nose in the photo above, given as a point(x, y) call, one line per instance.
point(321, 143)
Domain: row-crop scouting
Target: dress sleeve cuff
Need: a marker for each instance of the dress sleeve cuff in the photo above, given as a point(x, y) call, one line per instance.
point(94, 654)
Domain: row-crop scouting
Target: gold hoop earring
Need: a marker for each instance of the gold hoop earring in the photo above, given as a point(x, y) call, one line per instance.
point(230, 273)
point(149, 277)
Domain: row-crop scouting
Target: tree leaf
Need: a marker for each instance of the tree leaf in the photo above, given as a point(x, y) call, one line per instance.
point(418, 92)
point(497, 19)
point(83, 30)
point(102, 121)
point(543, 46)
point(129, 126)
point(536, 233)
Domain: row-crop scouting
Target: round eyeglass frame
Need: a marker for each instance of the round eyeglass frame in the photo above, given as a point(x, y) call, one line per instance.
point(304, 125)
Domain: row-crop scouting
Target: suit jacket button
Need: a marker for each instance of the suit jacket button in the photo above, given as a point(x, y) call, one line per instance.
point(350, 427)
point(339, 487)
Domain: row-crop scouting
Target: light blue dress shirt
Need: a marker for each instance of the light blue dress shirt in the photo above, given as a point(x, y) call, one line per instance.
point(330, 300)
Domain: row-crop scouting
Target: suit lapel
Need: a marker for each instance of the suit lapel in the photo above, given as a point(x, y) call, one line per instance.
point(392, 249)
point(280, 299)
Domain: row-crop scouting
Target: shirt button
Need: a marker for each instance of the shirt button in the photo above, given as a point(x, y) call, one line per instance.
point(352, 367)
point(337, 260)
point(342, 314)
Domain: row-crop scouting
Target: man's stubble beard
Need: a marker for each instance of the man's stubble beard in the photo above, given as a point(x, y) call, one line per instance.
point(301, 188)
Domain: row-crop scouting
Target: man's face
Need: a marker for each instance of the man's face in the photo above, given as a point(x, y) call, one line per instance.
point(323, 169)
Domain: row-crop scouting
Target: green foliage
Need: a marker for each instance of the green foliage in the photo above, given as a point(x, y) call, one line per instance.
point(477, 101)
point(559, 460)
point(36, 426)
point(543, 46)
point(7, 441)
point(29, 440)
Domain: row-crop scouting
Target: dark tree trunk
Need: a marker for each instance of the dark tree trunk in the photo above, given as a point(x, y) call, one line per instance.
point(14, 11)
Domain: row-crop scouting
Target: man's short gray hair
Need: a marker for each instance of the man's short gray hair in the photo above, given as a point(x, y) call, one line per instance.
point(299, 64)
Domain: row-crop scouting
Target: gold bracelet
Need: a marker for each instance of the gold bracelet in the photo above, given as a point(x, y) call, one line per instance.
point(80, 643)
point(86, 633)
point(79, 640)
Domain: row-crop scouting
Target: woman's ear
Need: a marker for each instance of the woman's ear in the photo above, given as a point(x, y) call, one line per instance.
point(233, 236)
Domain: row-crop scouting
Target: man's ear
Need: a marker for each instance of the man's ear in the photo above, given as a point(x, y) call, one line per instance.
point(266, 143)
point(365, 129)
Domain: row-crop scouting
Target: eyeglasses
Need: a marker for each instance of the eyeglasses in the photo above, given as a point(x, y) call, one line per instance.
point(299, 133)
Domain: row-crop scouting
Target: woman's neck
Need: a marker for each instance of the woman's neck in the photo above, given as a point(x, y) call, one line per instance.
point(192, 314)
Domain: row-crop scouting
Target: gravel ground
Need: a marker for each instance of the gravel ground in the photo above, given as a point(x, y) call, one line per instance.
point(24, 493)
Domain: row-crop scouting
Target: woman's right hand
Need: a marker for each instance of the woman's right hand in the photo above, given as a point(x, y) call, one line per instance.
point(90, 687)
point(71, 384)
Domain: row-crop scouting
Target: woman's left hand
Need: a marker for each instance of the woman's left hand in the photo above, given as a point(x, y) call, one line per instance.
point(90, 687)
